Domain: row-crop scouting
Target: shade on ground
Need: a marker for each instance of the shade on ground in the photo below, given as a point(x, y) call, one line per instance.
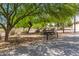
point(68, 46)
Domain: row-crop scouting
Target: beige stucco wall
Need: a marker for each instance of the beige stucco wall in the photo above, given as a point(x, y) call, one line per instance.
point(77, 27)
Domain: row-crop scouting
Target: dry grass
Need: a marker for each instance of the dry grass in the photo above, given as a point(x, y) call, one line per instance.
point(1, 30)
point(4, 46)
point(16, 40)
point(24, 39)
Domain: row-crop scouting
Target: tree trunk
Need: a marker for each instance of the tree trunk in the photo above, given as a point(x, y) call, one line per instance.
point(29, 29)
point(74, 24)
point(63, 28)
point(6, 35)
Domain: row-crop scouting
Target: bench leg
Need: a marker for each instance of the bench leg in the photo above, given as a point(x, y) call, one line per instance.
point(57, 35)
point(47, 37)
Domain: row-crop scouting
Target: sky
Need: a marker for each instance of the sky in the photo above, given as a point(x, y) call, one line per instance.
point(77, 18)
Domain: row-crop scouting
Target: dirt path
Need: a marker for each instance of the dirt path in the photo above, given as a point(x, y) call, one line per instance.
point(67, 46)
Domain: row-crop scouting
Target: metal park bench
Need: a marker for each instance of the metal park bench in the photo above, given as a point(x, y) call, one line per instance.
point(50, 33)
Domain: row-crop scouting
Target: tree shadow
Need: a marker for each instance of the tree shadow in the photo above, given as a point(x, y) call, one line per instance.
point(71, 38)
point(50, 48)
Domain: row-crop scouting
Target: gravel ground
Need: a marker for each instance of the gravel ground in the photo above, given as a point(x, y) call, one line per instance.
point(69, 46)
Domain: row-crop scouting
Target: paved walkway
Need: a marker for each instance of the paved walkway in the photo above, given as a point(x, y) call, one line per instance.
point(67, 46)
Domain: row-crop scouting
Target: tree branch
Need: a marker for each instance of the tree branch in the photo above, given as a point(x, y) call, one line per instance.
point(14, 12)
point(3, 14)
point(3, 26)
point(3, 9)
point(23, 16)
point(15, 7)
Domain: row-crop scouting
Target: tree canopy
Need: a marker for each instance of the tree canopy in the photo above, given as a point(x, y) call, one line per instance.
point(19, 14)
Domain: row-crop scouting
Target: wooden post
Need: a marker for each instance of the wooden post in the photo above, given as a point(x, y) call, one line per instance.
point(74, 24)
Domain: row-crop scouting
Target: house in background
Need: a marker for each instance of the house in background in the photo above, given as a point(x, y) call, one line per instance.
point(76, 26)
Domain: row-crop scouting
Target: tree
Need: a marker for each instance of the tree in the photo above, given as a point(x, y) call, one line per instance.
point(62, 12)
point(13, 13)
point(55, 13)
